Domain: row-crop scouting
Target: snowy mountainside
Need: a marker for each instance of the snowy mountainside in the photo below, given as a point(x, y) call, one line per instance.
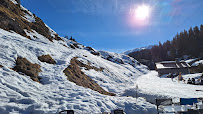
point(20, 94)
point(123, 59)
point(120, 59)
point(137, 49)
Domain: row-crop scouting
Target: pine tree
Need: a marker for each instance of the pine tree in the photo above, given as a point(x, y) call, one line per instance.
point(184, 43)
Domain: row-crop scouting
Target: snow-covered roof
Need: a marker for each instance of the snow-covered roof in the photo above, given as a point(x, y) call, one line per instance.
point(172, 64)
point(197, 63)
point(191, 60)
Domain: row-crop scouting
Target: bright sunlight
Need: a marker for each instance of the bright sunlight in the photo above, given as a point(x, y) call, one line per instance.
point(142, 12)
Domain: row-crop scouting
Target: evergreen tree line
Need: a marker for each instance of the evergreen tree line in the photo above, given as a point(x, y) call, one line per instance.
point(184, 43)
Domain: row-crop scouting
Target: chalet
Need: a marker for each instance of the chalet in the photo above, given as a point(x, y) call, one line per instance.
point(173, 67)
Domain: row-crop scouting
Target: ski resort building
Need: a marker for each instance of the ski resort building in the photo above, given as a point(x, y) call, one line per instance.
point(173, 67)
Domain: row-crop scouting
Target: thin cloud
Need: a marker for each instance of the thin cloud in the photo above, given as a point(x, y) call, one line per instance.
point(93, 6)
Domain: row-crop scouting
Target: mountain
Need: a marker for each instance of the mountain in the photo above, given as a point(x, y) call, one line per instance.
point(185, 45)
point(41, 72)
point(137, 49)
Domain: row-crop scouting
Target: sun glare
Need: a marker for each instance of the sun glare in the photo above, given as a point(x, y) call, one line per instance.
point(142, 12)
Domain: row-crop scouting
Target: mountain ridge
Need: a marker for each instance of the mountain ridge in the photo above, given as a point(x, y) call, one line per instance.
point(137, 49)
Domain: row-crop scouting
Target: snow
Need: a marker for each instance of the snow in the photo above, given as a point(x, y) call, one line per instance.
point(137, 49)
point(194, 62)
point(19, 94)
point(125, 59)
point(14, 1)
point(171, 64)
point(53, 33)
point(28, 16)
point(151, 86)
point(161, 66)
point(190, 60)
point(121, 75)
point(197, 63)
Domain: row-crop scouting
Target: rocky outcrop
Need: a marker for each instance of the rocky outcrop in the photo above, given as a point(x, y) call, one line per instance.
point(28, 68)
point(117, 60)
point(11, 16)
point(92, 51)
point(76, 45)
point(74, 74)
point(72, 46)
point(47, 59)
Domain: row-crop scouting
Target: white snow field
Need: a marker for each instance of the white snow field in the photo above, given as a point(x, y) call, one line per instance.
point(20, 94)
point(151, 86)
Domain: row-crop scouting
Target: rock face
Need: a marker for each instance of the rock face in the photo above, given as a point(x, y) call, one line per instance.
point(28, 68)
point(13, 18)
point(10, 17)
point(92, 51)
point(110, 58)
point(47, 59)
point(74, 74)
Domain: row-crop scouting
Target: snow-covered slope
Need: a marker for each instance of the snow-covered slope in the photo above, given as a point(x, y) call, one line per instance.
point(138, 49)
point(123, 60)
point(151, 86)
point(20, 94)
point(119, 75)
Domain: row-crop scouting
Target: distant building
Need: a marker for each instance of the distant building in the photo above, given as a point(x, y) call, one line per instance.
point(173, 67)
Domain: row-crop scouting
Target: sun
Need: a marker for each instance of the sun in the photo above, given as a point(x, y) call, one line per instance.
point(142, 12)
point(140, 15)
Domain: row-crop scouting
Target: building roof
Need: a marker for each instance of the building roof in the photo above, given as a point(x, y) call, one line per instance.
point(172, 64)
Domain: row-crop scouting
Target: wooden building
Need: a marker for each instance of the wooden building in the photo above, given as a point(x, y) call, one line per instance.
point(173, 67)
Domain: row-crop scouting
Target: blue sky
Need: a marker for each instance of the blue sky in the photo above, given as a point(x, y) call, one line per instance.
point(108, 24)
